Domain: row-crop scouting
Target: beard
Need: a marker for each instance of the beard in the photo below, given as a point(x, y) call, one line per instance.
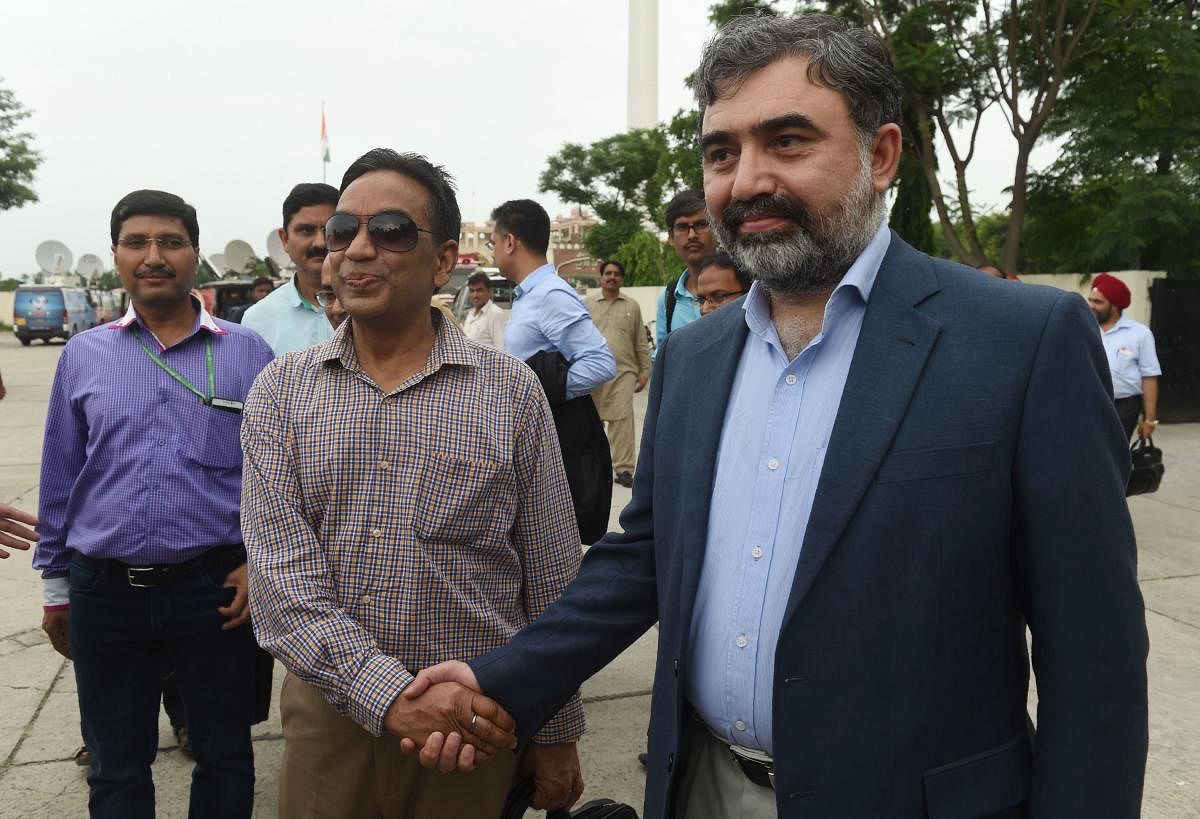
point(814, 250)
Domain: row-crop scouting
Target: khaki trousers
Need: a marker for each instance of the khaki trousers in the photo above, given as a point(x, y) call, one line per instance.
point(713, 786)
point(333, 768)
point(614, 403)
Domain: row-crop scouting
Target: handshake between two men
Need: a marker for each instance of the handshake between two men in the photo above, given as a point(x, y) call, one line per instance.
point(445, 720)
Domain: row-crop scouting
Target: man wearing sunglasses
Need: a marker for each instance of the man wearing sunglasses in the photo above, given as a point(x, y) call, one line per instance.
point(692, 237)
point(141, 549)
point(289, 318)
point(405, 504)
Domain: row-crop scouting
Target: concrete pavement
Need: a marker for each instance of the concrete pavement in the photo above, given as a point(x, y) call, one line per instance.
point(39, 717)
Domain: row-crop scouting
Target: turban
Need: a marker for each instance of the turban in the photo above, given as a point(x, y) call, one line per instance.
point(1112, 289)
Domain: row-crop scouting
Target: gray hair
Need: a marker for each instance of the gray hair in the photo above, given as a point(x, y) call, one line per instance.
point(847, 59)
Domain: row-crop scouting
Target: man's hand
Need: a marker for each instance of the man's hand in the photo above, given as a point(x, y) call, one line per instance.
point(449, 671)
point(640, 384)
point(10, 523)
point(557, 781)
point(455, 727)
point(237, 612)
point(1146, 429)
point(57, 624)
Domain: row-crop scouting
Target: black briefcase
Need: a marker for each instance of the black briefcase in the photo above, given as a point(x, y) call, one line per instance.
point(1147, 471)
point(521, 795)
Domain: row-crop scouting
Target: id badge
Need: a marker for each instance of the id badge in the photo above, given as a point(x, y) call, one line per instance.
point(226, 404)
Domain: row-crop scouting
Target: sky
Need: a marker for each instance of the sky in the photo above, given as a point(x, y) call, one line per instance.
point(220, 102)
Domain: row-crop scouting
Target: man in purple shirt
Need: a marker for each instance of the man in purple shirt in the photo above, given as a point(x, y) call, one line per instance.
point(141, 550)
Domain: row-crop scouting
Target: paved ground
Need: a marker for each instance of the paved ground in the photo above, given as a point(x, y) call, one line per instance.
point(39, 718)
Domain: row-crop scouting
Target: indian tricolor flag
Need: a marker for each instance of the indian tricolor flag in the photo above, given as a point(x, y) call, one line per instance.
point(324, 137)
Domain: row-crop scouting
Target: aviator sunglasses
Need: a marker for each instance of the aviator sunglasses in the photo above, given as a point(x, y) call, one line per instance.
point(390, 230)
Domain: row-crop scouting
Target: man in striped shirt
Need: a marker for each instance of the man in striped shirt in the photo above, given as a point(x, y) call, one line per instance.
point(405, 504)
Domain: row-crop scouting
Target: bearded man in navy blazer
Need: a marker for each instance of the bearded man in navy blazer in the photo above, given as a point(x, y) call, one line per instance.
point(854, 494)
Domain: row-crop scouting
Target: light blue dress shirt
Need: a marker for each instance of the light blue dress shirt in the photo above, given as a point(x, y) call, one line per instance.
point(1131, 356)
point(776, 430)
point(287, 321)
point(548, 315)
point(687, 310)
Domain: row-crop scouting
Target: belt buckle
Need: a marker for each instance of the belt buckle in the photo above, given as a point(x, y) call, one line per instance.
point(132, 573)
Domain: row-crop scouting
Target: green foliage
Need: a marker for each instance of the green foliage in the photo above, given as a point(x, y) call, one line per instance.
point(18, 160)
point(646, 258)
point(108, 280)
point(9, 285)
point(722, 12)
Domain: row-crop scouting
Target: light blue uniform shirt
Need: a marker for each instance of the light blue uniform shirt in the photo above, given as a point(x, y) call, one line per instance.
point(773, 441)
point(548, 315)
point(687, 310)
point(286, 320)
point(1131, 356)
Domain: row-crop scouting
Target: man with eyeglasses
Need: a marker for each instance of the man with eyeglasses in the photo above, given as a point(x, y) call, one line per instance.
point(692, 237)
point(619, 320)
point(720, 282)
point(141, 547)
point(327, 298)
point(404, 504)
point(289, 317)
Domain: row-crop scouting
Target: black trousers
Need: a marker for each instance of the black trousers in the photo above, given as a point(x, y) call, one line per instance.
point(1129, 409)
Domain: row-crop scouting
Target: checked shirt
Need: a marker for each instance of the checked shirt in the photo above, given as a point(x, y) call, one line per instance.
point(387, 532)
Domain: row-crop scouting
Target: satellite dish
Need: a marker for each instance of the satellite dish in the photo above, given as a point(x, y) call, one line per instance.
point(217, 260)
point(238, 255)
point(54, 257)
point(275, 250)
point(89, 265)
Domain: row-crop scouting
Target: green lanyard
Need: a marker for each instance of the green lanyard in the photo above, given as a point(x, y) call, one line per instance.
point(171, 371)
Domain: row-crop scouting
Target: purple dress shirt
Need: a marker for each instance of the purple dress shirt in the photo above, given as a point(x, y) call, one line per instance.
point(134, 466)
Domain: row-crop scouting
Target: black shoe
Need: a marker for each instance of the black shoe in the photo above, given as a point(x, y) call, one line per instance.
point(625, 479)
point(83, 757)
point(642, 759)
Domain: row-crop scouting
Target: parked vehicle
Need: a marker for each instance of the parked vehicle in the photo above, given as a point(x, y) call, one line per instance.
point(502, 294)
point(48, 312)
point(228, 298)
point(107, 305)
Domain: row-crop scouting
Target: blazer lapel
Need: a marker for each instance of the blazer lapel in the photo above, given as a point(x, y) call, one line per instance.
point(893, 345)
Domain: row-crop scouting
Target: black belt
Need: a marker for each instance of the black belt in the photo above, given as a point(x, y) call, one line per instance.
point(758, 771)
point(218, 558)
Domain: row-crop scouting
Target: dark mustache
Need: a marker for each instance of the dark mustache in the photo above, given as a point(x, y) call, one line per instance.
point(154, 271)
point(316, 253)
point(737, 212)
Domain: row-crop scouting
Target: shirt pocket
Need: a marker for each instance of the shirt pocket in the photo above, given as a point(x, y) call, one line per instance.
point(940, 462)
point(213, 441)
point(460, 499)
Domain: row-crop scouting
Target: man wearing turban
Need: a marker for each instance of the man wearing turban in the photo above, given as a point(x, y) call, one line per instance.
point(1131, 356)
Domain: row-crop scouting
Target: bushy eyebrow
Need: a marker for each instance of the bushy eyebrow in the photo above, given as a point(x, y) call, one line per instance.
point(791, 120)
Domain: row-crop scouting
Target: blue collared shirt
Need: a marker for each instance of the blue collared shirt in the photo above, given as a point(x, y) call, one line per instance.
point(687, 310)
point(548, 315)
point(287, 321)
point(773, 441)
point(134, 466)
point(1131, 356)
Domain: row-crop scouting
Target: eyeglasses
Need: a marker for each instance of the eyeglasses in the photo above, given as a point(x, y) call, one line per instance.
point(684, 228)
point(325, 298)
point(163, 242)
point(391, 230)
point(718, 298)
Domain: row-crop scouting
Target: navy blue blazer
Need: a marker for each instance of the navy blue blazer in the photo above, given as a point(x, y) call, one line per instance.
point(974, 484)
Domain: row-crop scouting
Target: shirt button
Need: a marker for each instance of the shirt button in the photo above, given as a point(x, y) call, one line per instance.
point(773, 464)
point(384, 465)
point(376, 532)
point(741, 726)
point(756, 552)
point(741, 641)
point(366, 598)
point(791, 379)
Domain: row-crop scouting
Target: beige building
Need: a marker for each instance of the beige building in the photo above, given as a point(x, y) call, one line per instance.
point(566, 237)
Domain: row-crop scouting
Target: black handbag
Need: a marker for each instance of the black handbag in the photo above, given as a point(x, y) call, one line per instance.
point(1147, 471)
point(521, 795)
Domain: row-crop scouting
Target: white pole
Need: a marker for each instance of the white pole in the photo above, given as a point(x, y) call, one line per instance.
point(642, 109)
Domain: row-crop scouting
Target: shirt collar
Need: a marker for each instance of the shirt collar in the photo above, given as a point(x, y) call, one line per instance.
point(859, 278)
point(296, 298)
point(450, 346)
point(533, 280)
point(204, 319)
point(681, 291)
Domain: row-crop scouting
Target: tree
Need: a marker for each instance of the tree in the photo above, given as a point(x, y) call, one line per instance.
point(18, 160)
point(1125, 190)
